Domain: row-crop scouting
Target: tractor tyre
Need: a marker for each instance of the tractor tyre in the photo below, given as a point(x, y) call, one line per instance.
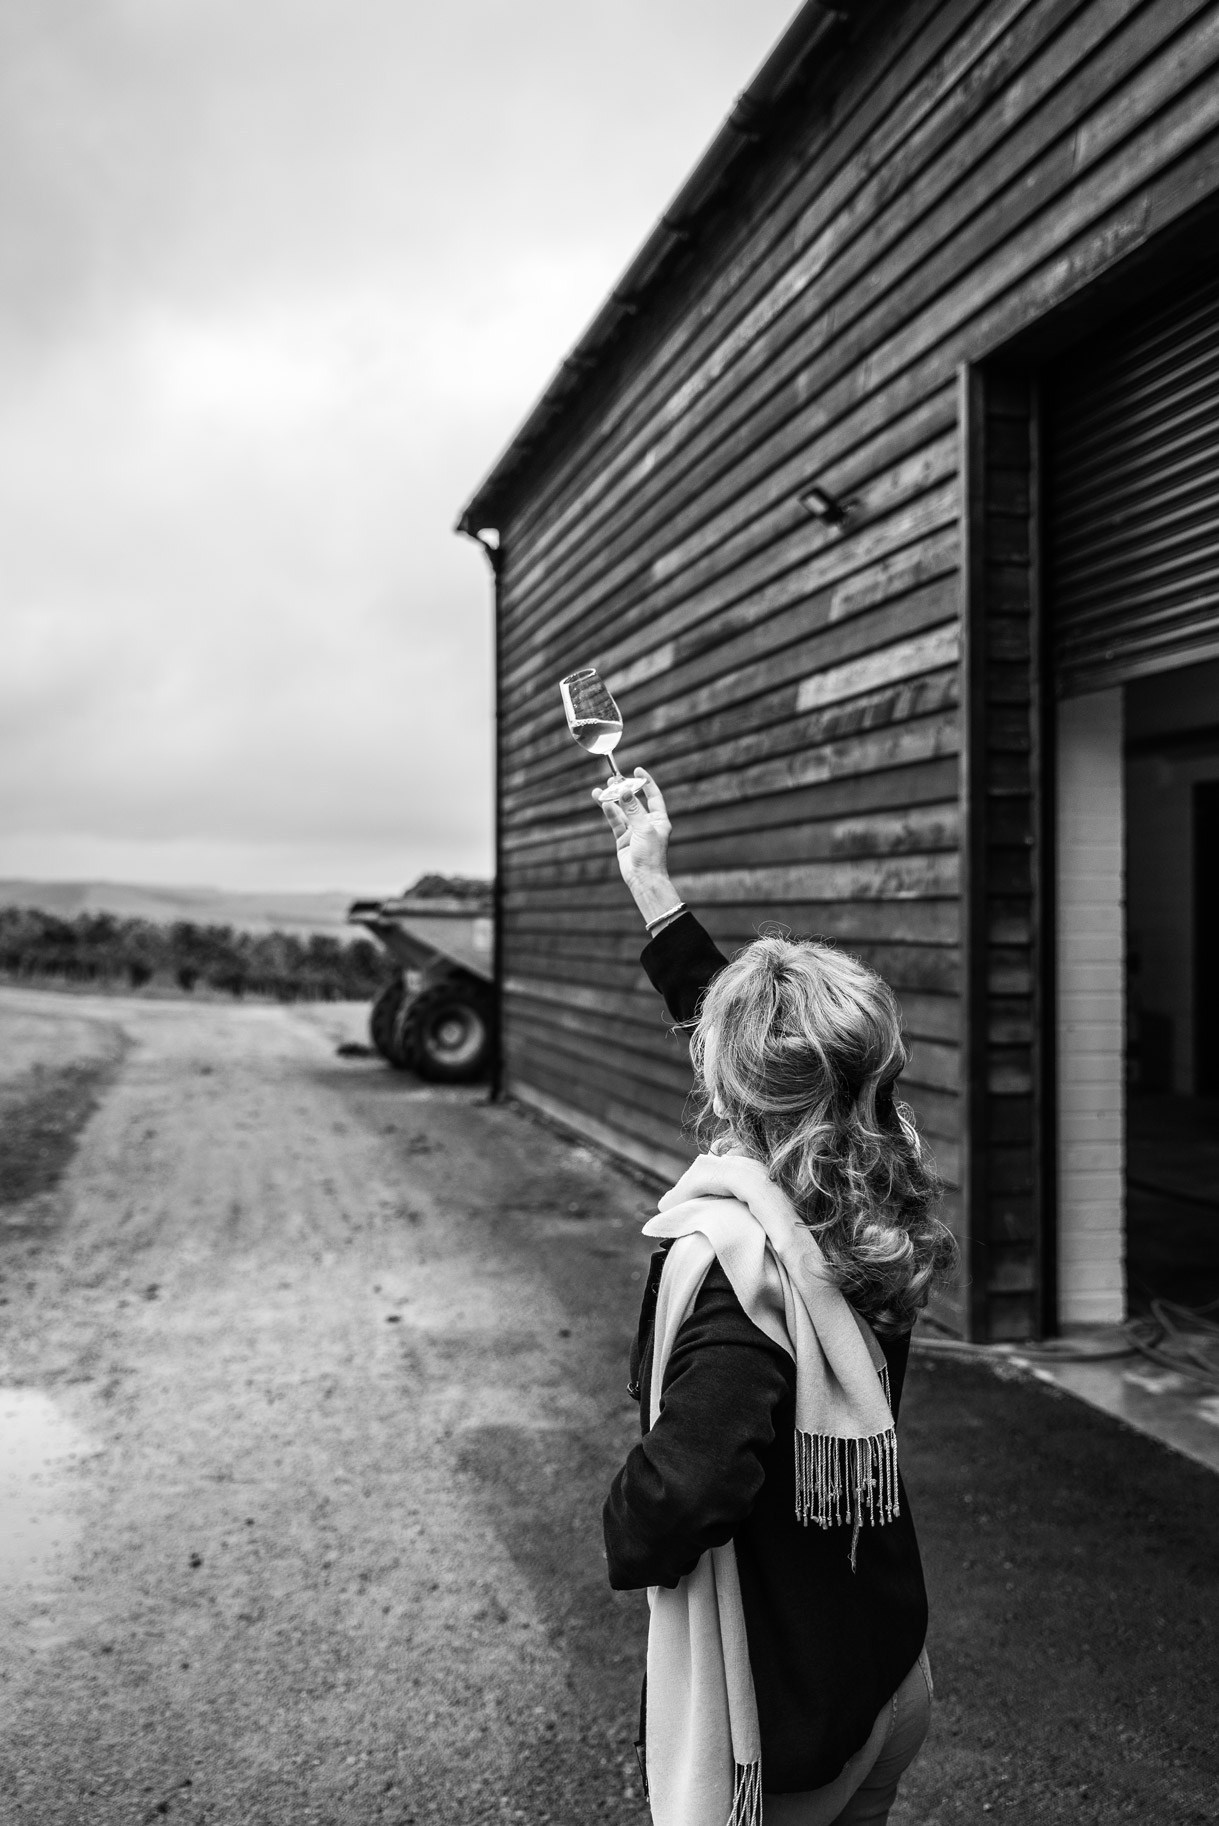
point(385, 1021)
point(447, 1033)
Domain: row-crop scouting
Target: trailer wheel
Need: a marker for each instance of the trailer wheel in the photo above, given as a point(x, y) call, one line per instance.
point(446, 1034)
point(383, 1022)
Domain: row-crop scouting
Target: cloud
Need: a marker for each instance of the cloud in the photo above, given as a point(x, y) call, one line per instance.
point(277, 281)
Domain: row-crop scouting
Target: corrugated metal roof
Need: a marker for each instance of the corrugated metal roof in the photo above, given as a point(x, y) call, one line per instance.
point(745, 126)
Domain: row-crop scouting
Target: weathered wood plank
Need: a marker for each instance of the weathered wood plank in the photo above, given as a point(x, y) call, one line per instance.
point(852, 571)
point(611, 1071)
point(1116, 178)
point(633, 1006)
point(935, 1066)
point(931, 1017)
point(605, 1059)
point(915, 829)
point(788, 558)
point(798, 231)
point(716, 716)
point(897, 831)
point(659, 1119)
point(1103, 75)
point(882, 878)
point(927, 926)
point(607, 1051)
point(849, 788)
point(907, 585)
point(1073, 101)
point(585, 981)
point(753, 647)
point(910, 968)
point(876, 110)
point(665, 1163)
point(885, 728)
point(936, 1110)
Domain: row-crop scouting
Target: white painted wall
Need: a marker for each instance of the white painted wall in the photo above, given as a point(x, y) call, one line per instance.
point(1091, 964)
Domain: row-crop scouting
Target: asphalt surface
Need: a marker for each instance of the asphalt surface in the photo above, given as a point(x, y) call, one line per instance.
point(314, 1379)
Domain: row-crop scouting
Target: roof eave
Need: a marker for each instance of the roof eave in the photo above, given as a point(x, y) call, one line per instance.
point(745, 125)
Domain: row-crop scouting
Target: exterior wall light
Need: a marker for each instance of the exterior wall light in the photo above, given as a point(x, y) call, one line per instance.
point(824, 506)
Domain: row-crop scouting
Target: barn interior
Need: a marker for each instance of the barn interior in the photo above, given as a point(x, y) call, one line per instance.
point(1171, 766)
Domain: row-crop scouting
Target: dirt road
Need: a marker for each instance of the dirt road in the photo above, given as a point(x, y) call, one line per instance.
point(311, 1384)
point(318, 1458)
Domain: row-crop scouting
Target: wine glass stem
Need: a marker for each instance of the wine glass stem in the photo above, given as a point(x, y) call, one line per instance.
point(614, 769)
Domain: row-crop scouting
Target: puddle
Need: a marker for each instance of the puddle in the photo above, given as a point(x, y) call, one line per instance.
point(37, 1526)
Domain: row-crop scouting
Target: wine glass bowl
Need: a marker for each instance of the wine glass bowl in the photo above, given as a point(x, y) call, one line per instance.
point(593, 717)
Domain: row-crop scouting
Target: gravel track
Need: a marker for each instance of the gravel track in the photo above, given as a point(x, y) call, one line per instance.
point(332, 1546)
point(325, 1375)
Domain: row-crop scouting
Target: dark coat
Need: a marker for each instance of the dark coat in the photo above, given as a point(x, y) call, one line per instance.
point(827, 1646)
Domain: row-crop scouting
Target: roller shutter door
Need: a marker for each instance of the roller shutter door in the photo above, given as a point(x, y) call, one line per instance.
point(1132, 468)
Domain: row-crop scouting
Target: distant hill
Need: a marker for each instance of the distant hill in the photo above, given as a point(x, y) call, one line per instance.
point(302, 914)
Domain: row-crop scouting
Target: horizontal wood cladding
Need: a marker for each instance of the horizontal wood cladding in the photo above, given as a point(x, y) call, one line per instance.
point(1019, 176)
point(878, 730)
point(595, 916)
point(796, 688)
point(622, 1018)
point(663, 1158)
point(911, 969)
point(888, 788)
point(823, 667)
point(586, 982)
point(860, 366)
point(872, 833)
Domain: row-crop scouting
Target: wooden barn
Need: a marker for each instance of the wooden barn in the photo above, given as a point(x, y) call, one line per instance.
point(884, 490)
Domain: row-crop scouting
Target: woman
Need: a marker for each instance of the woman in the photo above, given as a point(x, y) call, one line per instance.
point(787, 1680)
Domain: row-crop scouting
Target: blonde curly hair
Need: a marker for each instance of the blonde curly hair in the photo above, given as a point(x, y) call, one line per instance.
point(797, 1052)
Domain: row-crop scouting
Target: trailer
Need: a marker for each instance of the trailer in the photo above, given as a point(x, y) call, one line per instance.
point(436, 1017)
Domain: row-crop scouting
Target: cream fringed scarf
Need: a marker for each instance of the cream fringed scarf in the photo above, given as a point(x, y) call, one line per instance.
point(703, 1747)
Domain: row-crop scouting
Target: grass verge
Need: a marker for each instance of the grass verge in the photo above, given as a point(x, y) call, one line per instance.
point(42, 1114)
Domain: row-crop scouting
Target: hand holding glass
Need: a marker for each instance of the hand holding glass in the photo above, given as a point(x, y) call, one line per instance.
point(593, 717)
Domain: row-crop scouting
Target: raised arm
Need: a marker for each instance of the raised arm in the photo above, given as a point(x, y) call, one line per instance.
point(680, 958)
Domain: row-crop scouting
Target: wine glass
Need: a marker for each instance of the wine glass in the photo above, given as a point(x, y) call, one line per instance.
point(593, 717)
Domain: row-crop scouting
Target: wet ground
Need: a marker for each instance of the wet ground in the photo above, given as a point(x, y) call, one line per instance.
point(312, 1381)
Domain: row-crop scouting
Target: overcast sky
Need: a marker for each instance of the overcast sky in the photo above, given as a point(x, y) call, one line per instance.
point(278, 278)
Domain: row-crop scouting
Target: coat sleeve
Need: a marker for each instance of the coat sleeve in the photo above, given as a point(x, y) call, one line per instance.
point(680, 961)
point(693, 1478)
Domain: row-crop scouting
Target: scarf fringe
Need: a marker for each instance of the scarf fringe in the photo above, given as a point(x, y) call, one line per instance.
point(846, 1480)
point(747, 1796)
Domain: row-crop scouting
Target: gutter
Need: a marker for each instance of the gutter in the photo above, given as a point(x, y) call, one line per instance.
point(817, 21)
point(489, 541)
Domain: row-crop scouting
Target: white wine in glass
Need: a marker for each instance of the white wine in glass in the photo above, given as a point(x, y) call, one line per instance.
point(593, 717)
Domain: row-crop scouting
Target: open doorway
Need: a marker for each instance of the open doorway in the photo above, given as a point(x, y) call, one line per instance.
point(1171, 727)
point(1130, 438)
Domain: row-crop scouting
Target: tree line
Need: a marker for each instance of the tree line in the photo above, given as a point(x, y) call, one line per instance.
point(104, 949)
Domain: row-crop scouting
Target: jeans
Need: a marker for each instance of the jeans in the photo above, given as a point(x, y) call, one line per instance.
point(863, 1794)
